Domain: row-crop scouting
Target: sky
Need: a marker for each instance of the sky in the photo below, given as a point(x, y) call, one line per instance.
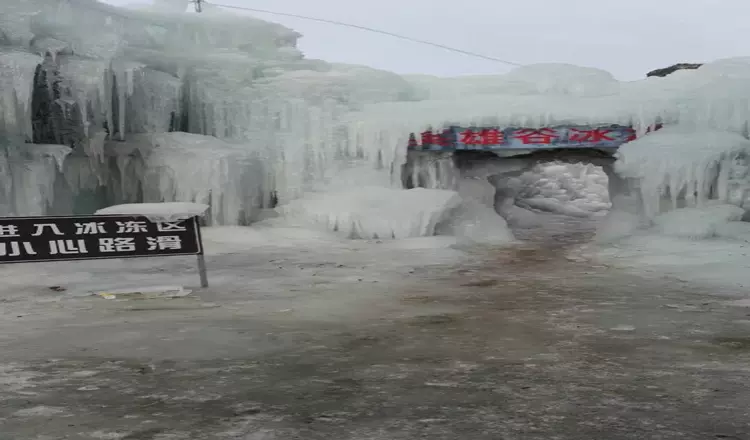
point(626, 38)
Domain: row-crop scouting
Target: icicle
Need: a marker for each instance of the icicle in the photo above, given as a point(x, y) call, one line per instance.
point(108, 85)
point(17, 71)
point(722, 180)
point(121, 103)
point(123, 162)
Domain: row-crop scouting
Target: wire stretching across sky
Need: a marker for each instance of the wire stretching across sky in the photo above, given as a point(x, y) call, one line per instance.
point(368, 29)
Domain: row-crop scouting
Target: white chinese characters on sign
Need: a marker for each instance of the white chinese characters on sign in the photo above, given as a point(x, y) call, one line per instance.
point(90, 228)
point(164, 242)
point(171, 226)
point(39, 229)
point(13, 249)
point(67, 247)
point(76, 238)
point(131, 227)
point(9, 231)
point(120, 244)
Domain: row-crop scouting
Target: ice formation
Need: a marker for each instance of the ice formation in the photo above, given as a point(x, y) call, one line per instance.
point(578, 189)
point(376, 212)
point(156, 105)
point(102, 105)
point(684, 167)
point(157, 212)
point(714, 96)
point(697, 223)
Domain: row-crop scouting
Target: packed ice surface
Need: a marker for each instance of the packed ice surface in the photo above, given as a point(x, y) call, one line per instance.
point(157, 212)
point(679, 166)
point(705, 245)
point(270, 263)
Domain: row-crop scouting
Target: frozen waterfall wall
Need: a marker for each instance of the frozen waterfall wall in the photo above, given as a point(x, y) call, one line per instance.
point(102, 105)
point(682, 167)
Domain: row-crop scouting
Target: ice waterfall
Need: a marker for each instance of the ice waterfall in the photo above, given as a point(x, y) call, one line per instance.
point(102, 105)
point(151, 106)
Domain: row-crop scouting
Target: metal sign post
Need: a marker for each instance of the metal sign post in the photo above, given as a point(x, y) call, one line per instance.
point(202, 273)
point(202, 270)
point(45, 239)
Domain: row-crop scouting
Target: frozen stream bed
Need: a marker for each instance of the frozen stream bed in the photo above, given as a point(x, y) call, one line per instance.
point(305, 337)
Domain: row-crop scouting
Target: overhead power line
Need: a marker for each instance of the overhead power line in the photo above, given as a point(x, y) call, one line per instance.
point(364, 28)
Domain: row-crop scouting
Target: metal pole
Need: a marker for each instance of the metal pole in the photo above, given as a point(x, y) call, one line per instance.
point(202, 271)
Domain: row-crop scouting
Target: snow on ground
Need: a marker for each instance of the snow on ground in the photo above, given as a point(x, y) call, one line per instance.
point(722, 264)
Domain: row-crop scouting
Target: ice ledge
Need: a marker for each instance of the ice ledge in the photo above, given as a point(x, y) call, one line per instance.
point(157, 212)
point(374, 212)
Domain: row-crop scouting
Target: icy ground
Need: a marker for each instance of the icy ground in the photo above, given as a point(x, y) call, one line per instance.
point(706, 246)
point(310, 337)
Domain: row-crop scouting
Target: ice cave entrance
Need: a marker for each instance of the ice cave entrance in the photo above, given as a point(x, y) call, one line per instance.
point(563, 170)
